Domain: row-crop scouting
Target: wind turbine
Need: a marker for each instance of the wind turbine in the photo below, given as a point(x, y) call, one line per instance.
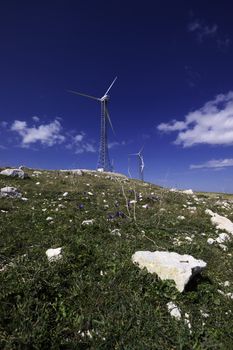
point(141, 163)
point(104, 163)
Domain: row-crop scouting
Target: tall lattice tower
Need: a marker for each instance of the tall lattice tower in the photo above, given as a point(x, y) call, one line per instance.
point(104, 163)
point(103, 160)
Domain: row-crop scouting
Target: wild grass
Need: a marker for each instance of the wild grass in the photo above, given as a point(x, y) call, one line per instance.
point(94, 297)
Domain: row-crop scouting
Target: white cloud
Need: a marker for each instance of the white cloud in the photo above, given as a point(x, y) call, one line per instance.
point(172, 126)
point(46, 134)
point(80, 144)
point(115, 144)
point(204, 32)
point(215, 163)
point(79, 137)
point(212, 124)
point(85, 147)
point(3, 124)
point(36, 119)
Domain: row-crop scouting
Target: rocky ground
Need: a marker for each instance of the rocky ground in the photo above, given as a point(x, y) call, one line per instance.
point(68, 280)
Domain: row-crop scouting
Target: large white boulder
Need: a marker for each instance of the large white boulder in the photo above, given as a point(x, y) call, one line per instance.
point(9, 192)
point(14, 173)
point(220, 222)
point(170, 266)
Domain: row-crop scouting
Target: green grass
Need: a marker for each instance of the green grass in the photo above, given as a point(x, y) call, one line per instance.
point(94, 297)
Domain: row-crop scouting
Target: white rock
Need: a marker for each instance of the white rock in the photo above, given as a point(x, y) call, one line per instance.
point(173, 190)
point(192, 208)
point(229, 295)
point(90, 193)
point(37, 183)
point(220, 222)
point(133, 201)
point(223, 237)
point(180, 217)
point(187, 191)
point(226, 284)
point(204, 314)
point(14, 173)
point(54, 254)
point(88, 222)
point(65, 194)
point(187, 322)
point(170, 266)
point(73, 171)
point(210, 241)
point(223, 247)
point(145, 206)
point(49, 218)
point(9, 192)
point(116, 232)
point(174, 310)
point(24, 199)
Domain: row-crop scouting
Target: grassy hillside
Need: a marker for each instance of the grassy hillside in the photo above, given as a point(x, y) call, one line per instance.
point(94, 297)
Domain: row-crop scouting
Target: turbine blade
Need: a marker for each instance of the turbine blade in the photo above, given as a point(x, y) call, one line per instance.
point(78, 93)
point(141, 150)
point(110, 122)
point(110, 86)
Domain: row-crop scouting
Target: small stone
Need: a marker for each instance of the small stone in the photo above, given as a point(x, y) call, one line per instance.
point(188, 191)
point(88, 222)
point(226, 284)
point(210, 241)
point(116, 232)
point(223, 247)
point(174, 310)
point(222, 238)
point(54, 254)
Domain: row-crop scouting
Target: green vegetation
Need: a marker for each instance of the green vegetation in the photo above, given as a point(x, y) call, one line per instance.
point(94, 297)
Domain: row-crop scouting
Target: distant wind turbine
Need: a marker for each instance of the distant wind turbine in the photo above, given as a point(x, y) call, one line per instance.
point(104, 163)
point(141, 163)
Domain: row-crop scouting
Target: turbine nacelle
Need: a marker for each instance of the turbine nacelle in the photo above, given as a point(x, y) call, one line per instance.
point(104, 98)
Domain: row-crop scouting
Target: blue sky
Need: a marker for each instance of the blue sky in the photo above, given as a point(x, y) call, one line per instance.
point(173, 95)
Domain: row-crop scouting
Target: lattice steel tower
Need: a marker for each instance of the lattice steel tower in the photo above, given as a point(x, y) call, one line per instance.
point(103, 160)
